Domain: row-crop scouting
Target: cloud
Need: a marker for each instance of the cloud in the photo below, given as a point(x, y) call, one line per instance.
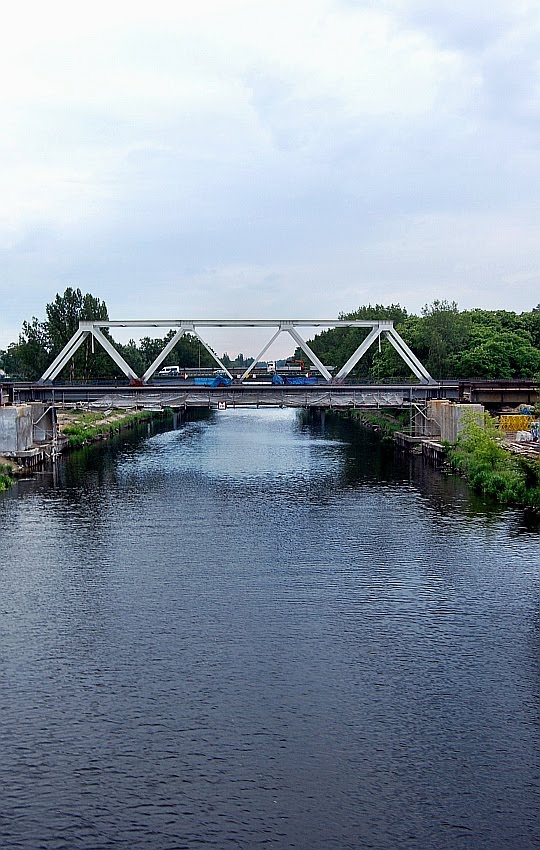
point(228, 156)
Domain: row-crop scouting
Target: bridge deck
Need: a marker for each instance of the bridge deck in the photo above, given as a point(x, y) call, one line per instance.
point(244, 395)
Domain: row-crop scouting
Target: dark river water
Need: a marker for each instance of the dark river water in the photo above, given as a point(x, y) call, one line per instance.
point(257, 632)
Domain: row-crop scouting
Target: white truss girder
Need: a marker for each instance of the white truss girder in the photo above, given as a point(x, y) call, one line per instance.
point(163, 354)
point(261, 354)
point(377, 328)
point(65, 355)
point(359, 353)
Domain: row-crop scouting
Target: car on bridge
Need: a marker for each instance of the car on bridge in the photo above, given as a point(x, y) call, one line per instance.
point(169, 372)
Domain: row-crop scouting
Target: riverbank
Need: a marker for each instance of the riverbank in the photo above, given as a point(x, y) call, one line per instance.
point(81, 427)
point(76, 428)
point(386, 424)
point(492, 465)
point(486, 459)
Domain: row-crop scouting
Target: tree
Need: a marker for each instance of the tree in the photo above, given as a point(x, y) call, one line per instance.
point(10, 361)
point(133, 356)
point(33, 351)
point(63, 317)
point(335, 346)
point(188, 351)
point(498, 355)
point(67, 310)
point(40, 342)
point(531, 323)
point(387, 363)
point(443, 332)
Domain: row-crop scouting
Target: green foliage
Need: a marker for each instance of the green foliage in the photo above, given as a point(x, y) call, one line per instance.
point(442, 333)
point(387, 424)
point(386, 363)
point(6, 479)
point(335, 346)
point(10, 362)
point(188, 352)
point(490, 469)
point(449, 342)
point(33, 351)
point(90, 427)
point(499, 344)
point(65, 312)
point(240, 362)
point(40, 342)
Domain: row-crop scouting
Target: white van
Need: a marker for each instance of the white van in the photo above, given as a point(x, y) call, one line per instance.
point(169, 371)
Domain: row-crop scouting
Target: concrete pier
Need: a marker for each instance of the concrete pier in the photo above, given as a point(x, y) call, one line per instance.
point(28, 433)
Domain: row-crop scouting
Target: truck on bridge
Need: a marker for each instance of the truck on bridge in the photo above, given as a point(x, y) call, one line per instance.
point(289, 365)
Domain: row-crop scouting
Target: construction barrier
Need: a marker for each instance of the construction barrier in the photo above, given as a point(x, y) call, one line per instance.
point(515, 422)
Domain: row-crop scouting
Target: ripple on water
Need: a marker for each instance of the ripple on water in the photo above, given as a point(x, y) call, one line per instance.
point(256, 632)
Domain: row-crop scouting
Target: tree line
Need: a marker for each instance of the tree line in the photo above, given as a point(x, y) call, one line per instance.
point(41, 340)
point(451, 343)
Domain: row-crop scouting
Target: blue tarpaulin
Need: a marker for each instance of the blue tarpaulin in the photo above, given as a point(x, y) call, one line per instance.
point(300, 380)
point(217, 381)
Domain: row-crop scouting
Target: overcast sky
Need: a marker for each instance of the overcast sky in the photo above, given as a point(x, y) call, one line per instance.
point(268, 159)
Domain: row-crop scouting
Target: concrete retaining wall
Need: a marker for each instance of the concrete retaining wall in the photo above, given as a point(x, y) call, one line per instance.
point(26, 426)
point(16, 429)
point(445, 420)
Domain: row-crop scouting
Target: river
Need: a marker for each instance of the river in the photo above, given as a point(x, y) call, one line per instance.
point(257, 631)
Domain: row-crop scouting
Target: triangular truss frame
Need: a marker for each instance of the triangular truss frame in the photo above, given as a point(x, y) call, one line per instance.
point(377, 329)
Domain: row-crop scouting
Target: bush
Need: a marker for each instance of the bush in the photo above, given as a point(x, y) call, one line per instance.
point(6, 478)
point(492, 470)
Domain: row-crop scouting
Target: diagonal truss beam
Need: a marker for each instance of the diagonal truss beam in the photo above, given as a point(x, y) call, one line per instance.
point(358, 354)
point(261, 354)
point(307, 350)
point(407, 355)
point(65, 355)
point(115, 355)
point(211, 352)
point(163, 354)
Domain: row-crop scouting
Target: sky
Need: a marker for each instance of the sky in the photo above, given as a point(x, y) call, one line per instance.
point(245, 159)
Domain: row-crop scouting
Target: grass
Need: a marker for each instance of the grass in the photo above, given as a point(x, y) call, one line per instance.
point(91, 427)
point(387, 424)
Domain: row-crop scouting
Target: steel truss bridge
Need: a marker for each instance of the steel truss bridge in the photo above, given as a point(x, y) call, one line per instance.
point(377, 329)
point(330, 391)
